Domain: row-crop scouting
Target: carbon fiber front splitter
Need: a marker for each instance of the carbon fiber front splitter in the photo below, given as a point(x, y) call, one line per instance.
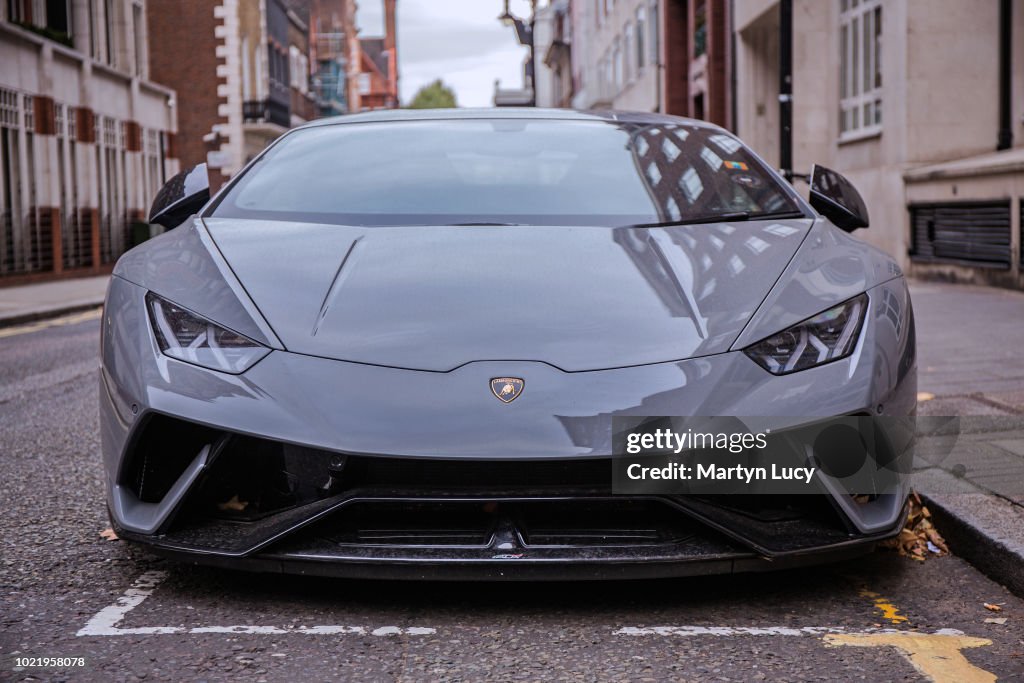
point(510, 546)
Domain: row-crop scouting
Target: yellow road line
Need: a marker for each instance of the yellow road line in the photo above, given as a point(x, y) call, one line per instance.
point(936, 656)
point(890, 612)
point(92, 314)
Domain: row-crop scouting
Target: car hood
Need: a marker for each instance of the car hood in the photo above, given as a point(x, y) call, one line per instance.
point(437, 297)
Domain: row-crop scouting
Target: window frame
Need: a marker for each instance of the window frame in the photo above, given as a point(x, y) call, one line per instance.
point(640, 21)
point(653, 22)
point(628, 70)
point(860, 36)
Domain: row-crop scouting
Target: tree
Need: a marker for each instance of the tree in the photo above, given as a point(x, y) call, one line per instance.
point(436, 95)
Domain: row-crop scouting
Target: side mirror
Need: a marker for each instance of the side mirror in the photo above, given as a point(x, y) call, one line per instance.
point(835, 198)
point(182, 196)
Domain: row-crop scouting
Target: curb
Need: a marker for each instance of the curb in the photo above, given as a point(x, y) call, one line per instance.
point(976, 539)
point(47, 313)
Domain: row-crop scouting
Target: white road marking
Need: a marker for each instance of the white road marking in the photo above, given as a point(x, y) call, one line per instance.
point(105, 622)
point(759, 631)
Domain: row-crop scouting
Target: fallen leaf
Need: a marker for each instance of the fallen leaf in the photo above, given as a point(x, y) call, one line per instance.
point(996, 620)
point(108, 534)
point(992, 608)
point(919, 538)
point(233, 505)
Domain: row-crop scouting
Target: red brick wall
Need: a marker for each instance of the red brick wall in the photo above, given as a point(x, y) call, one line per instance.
point(85, 125)
point(675, 45)
point(45, 115)
point(182, 55)
point(717, 104)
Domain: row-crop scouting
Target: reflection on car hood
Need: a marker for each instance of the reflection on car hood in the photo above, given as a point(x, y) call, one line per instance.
point(578, 298)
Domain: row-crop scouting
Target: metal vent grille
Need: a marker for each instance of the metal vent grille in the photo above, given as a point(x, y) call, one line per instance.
point(972, 233)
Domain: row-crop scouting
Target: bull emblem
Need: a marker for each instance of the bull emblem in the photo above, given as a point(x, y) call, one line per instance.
point(507, 389)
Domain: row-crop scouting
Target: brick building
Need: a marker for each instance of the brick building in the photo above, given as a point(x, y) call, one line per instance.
point(378, 77)
point(241, 70)
point(335, 55)
point(86, 138)
point(247, 70)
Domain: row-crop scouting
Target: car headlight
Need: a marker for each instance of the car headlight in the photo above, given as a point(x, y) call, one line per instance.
point(189, 337)
point(826, 337)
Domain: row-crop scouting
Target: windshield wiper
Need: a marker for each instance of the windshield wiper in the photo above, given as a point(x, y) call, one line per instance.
point(724, 218)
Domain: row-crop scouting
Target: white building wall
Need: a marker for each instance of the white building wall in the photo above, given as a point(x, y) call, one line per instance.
point(939, 97)
point(543, 77)
point(59, 181)
point(605, 81)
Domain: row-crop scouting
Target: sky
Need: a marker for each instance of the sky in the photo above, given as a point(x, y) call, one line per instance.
point(459, 41)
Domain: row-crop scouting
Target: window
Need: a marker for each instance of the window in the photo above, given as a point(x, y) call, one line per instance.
point(627, 55)
point(293, 64)
point(655, 57)
point(641, 26)
point(108, 31)
point(700, 30)
point(94, 43)
point(617, 64)
point(860, 67)
point(138, 26)
point(607, 76)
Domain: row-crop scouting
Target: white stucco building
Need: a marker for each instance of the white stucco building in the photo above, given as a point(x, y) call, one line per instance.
point(910, 99)
point(86, 139)
point(616, 56)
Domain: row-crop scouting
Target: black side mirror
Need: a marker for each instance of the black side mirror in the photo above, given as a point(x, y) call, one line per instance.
point(182, 196)
point(835, 198)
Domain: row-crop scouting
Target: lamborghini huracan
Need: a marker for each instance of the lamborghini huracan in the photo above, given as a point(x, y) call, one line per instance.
point(398, 344)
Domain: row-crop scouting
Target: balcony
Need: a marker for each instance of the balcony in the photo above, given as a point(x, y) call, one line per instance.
point(266, 111)
point(304, 106)
point(330, 46)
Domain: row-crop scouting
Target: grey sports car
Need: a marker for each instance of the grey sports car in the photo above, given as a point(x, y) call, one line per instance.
point(397, 344)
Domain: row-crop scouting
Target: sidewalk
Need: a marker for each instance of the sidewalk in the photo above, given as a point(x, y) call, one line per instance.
point(26, 303)
point(970, 344)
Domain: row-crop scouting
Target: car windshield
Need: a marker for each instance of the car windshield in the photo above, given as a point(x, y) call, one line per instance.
point(507, 171)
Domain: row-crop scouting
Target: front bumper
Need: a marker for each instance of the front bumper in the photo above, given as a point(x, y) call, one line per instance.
point(506, 553)
point(300, 409)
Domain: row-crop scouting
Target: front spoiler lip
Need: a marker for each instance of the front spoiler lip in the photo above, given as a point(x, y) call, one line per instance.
point(523, 569)
point(487, 563)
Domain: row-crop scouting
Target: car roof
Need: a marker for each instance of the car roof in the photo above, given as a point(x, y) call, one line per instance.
point(386, 115)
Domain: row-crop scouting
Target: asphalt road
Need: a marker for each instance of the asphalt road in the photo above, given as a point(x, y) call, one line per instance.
point(140, 617)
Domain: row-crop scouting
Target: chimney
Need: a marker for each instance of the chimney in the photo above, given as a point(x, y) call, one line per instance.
point(389, 24)
point(391, 47)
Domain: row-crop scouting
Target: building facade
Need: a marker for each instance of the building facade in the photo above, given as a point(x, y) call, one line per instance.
point(248, 70)
point(669, 56)
point(378, 66)
point(553, 36)
point(241, 70)
point(920, 103)
point(617, 54)
point(86, 138)
point(335, 55)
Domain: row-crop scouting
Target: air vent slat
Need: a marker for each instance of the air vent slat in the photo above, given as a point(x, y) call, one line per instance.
point(968, 232)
